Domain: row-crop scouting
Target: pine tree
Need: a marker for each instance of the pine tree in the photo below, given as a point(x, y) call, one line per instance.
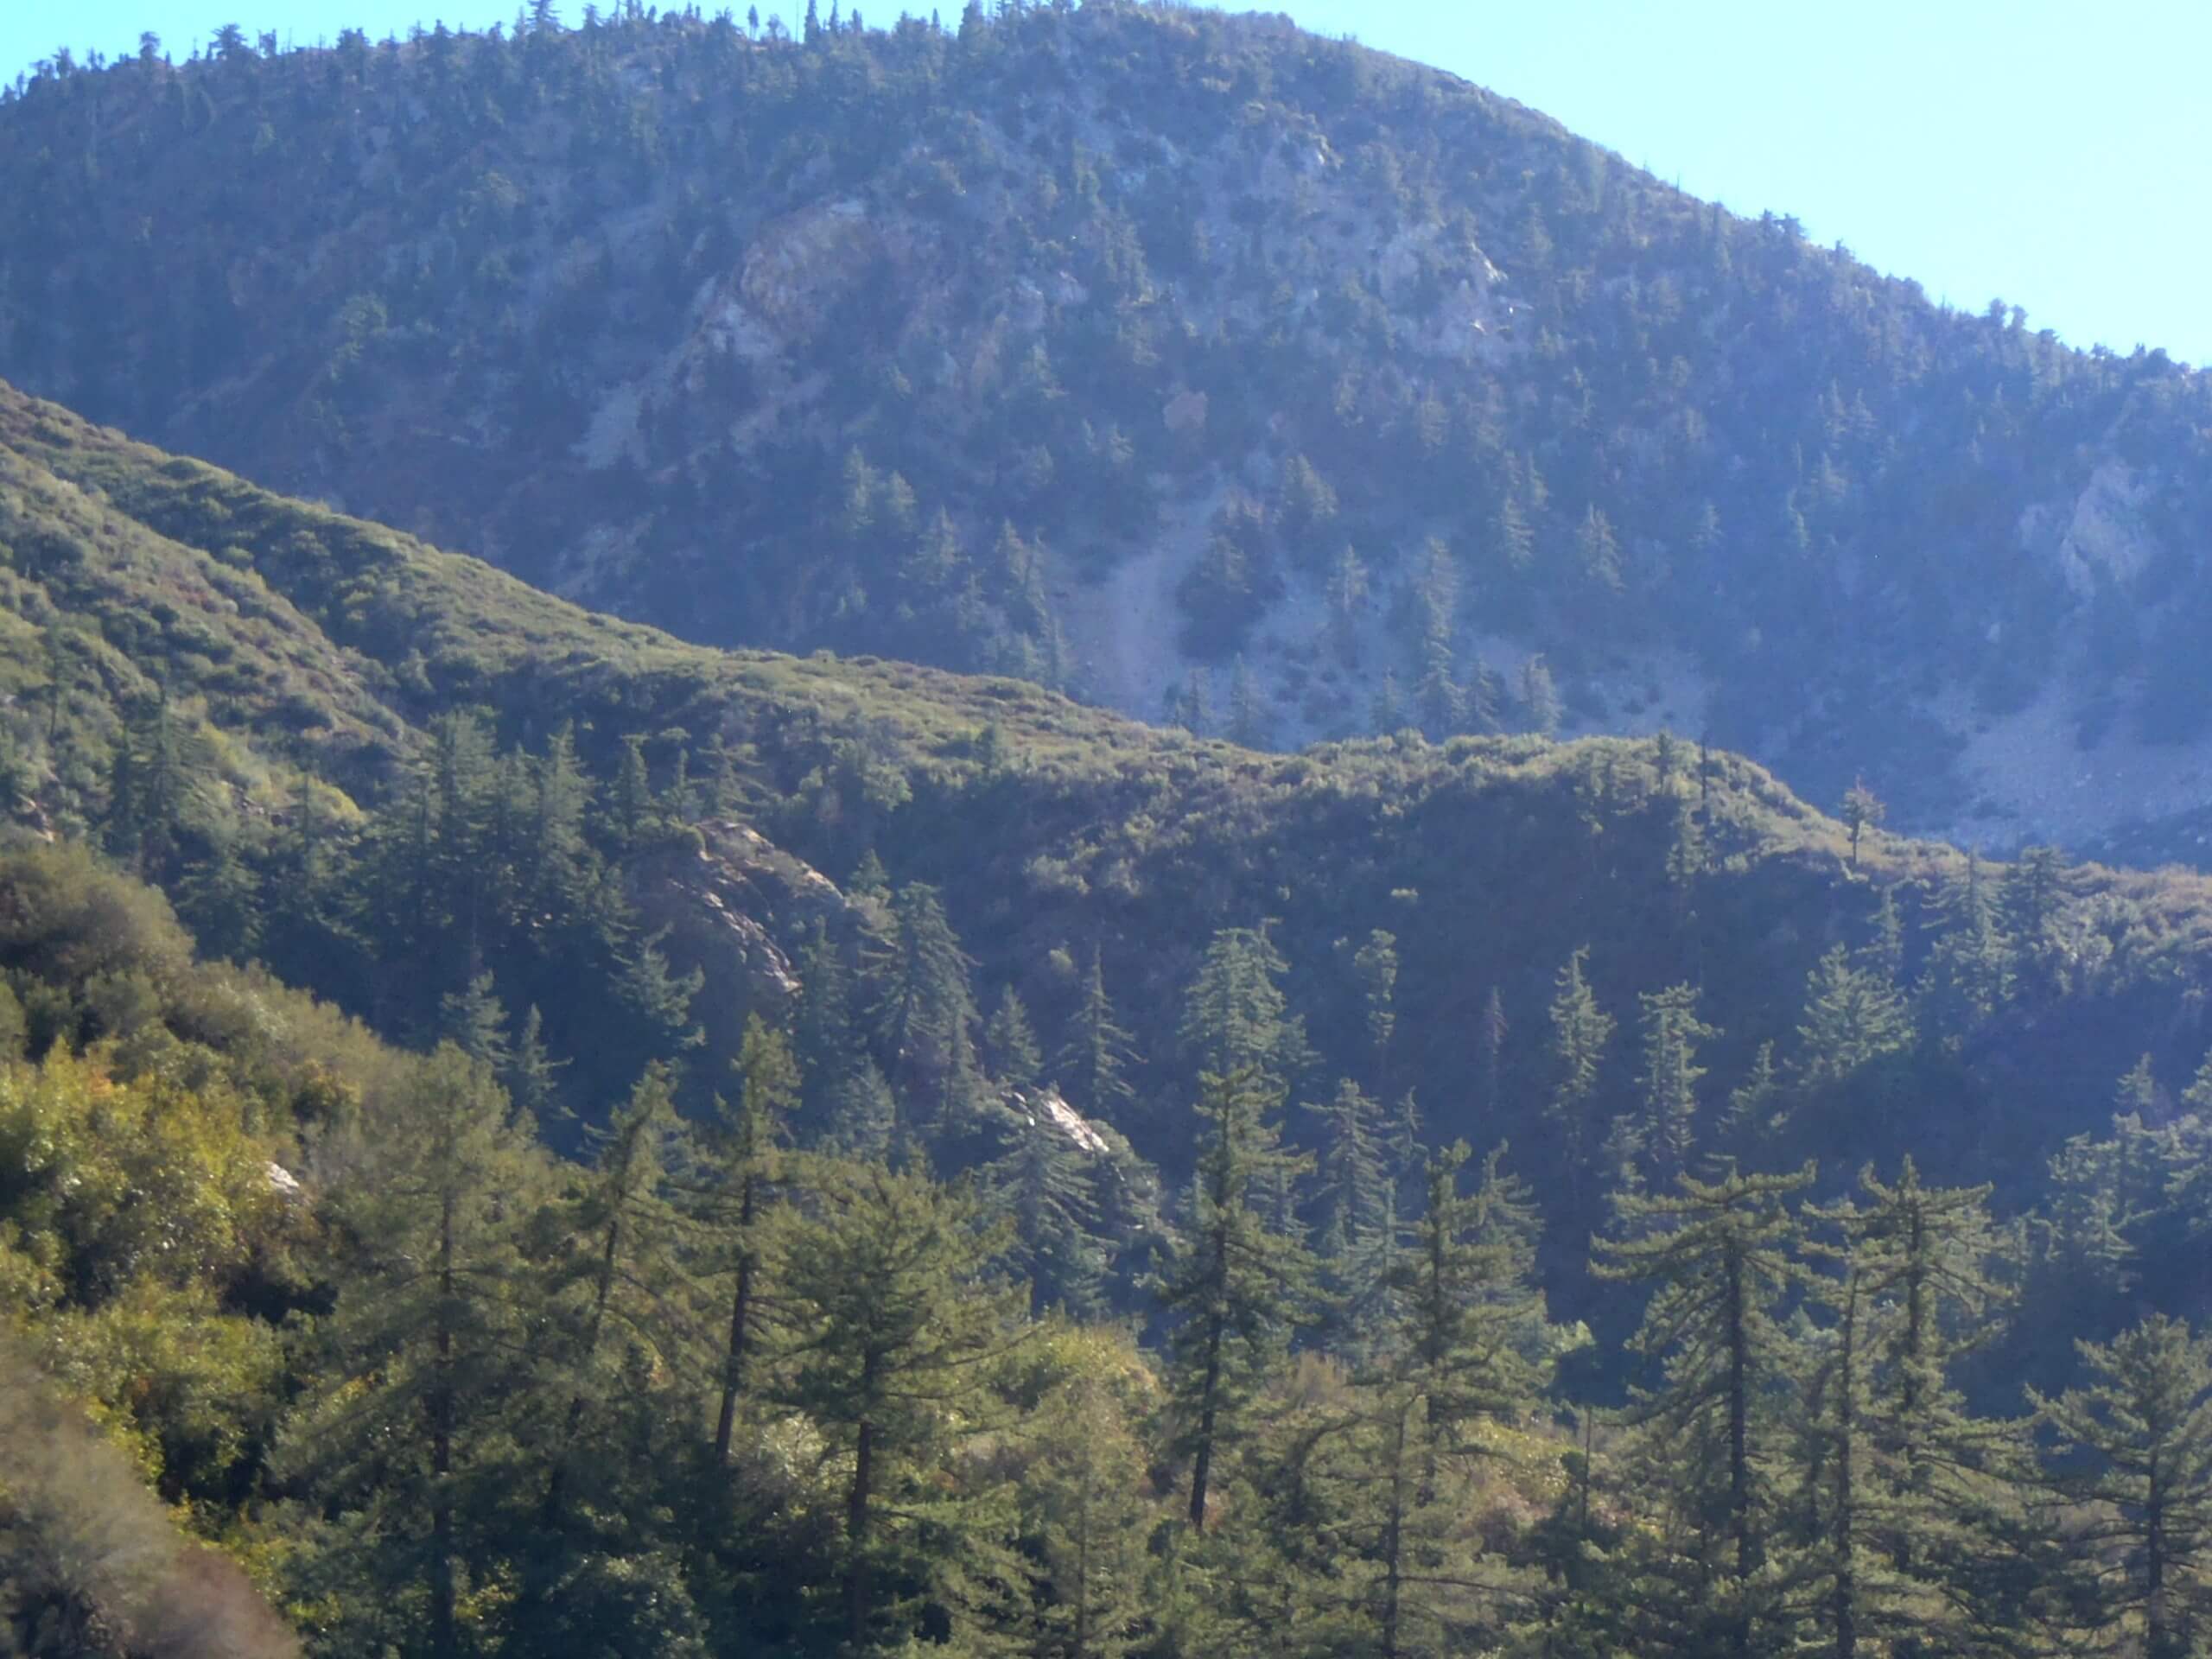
point(1010, 1045)
point(1580, 1033)
point(620, 1269)
point(1862, 810)
point(1717, 1256)
point(826, 1045)
point(1491, 1031)
point(473, 1021)
point(926, 1015)
point(1092, 1066)
point(1539, 703)
point(1969, 973)
point(1387, 716)
point(1247, 715)
point(2034, 898)
point(1235, 1017)
point(426, 1354)
point(1347, 603)
point(1672, 1032)
point(747, 1169)
point(1358, 1220)
point(659, 998)
point(1043, 1177)
point(1238, 1283)
point(1755, 1105)
point(533, 1075)
point(1082, 1503)
point(1400, 1565)
point(2146, 1424)
point(1928, 1252)
point(898, 1315)
point(1851, 1020)
point(1467, 1304)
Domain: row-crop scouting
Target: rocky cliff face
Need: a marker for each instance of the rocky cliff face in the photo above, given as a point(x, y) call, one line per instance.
point(1198, 365)
point(732, 904)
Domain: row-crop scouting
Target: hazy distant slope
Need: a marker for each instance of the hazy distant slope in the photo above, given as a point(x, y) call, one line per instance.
point(1083, 344)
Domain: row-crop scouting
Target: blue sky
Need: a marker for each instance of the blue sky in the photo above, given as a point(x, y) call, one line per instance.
point(2057, 154)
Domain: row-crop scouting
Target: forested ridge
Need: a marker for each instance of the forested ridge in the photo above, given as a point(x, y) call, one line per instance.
point(817, 1155)
point(1189, 362)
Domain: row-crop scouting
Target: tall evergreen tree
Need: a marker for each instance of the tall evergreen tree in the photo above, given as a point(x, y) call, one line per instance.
point(1236, 1016)
point(1083, 1504)
point(619, 1271)
point(1851, 1020)
point(1375, 965)
point(747, 1169)
point(1239, 1283)
point(926, 1016)
point(1010, 1045)
point(1358, 1217)
point(899, 1315)
point(1581, 1031)
point(2144, 1427)
point(1672, 1032)
point(426, 1355)
point(1043, 1178)
point(1717, 1256)
point(1092, 1066)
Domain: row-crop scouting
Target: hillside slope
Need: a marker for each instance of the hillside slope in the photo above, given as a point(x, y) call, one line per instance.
point(440, 797)
point(1182, 360)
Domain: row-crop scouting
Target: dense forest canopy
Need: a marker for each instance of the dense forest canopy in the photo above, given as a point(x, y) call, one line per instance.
point(1185, 361)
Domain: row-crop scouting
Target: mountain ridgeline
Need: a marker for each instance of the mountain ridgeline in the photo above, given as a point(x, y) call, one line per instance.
point(1186, 362)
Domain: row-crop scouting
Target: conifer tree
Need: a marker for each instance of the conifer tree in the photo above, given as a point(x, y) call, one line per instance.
point(825, 1042)
point(1862, 810)
point(1580, 1033)
point(1491, 1030)
point(926, 1015)
point(1851, 1020)
point(1539, 703)
point(1672, 1032)
point(1358, 1217)
point(1043, 1178)
point(426, 1354)
point(1927, 1255)
point(1239, 1283)
point(1717, 1255)
point(1466, 1299)
point(1247, 715)
point(1092, 1066)
point(2145, 1425)
point(898, 1315)
point(1755, 1105)
point(747, 1166)
point(1010, 1045)
point(1236, 1016)
point(1082, 1503)
point(1969, 972)
point(533, 1075)
point(473, 1021)
point(621, 1265)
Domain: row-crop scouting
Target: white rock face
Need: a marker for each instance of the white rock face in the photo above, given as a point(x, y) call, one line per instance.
point(2107, 536)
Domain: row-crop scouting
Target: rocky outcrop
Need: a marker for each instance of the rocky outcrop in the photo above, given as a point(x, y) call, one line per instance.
point(734, 907)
